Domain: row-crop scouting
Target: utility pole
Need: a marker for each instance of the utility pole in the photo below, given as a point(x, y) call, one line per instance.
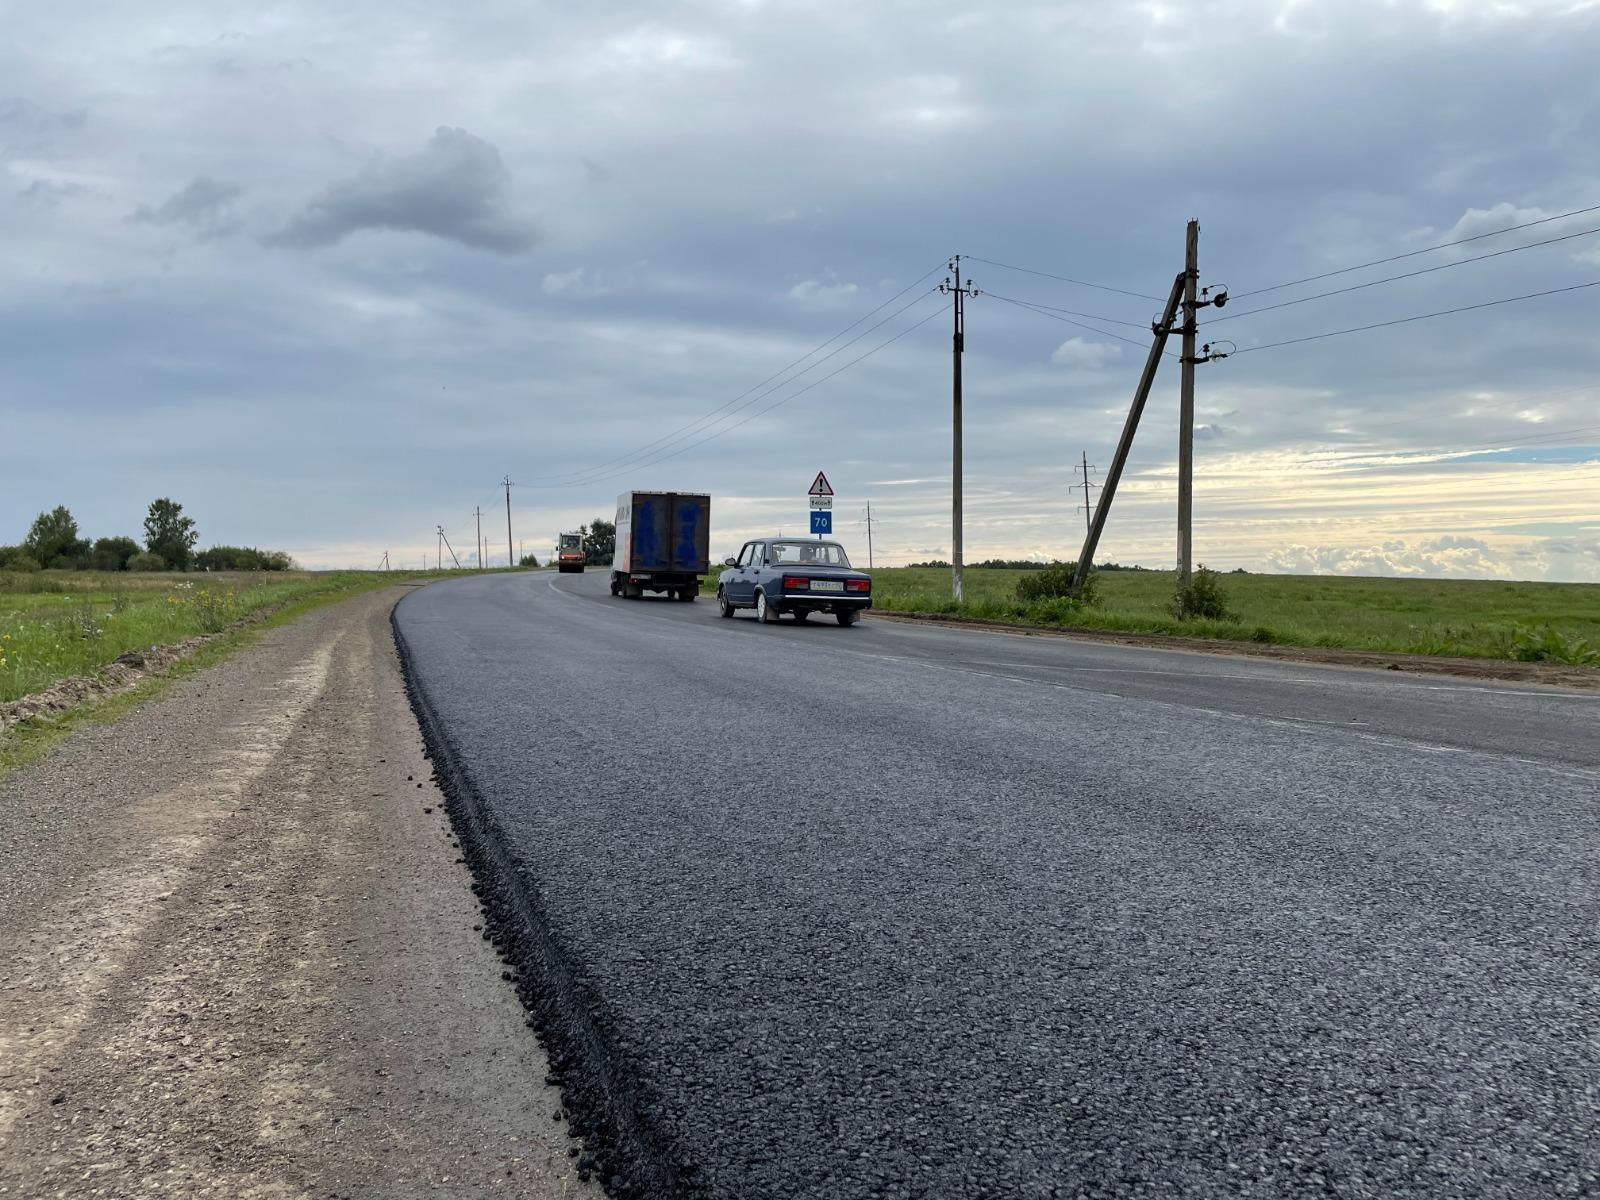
point(1191, 284)
point(1088, 504)
point(869, 535)
point(507, 482)
point(438, 551)
point(958, 315)
point(449, 547)
point(477, 511)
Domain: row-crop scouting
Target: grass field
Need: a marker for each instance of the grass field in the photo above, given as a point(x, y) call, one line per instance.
point(1471, 618)
point(59, 623)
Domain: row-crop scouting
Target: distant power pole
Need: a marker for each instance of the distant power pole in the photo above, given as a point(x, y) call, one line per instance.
point(507, 482)
point(477, 511)
point(1088, 504)
point(869, 535)
point(958, 315)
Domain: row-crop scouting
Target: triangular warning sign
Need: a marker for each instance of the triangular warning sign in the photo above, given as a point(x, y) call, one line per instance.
point(821, 487)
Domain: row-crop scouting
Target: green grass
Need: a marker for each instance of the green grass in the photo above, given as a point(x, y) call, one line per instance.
point(1470, 618)
point(54, 624)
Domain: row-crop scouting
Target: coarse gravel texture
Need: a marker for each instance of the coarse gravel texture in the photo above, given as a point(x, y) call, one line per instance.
point(898, 911)
point(240, 956)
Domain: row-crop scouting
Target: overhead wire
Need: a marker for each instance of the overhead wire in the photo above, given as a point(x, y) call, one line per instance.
point(1445, 312)
point(712, 415)
point(1103, 287)
point(639, 457)
point(1378, 262)
point(1066, 321)
point(716, 433)
point(1356, 287)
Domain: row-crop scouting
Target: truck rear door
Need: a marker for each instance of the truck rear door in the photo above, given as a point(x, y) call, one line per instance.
point(690, 522)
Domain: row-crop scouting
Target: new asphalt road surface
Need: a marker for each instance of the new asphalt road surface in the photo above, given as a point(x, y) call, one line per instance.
point(901, 911)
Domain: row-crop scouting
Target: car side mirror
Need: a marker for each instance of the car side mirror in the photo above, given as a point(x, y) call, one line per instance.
point(730, 562)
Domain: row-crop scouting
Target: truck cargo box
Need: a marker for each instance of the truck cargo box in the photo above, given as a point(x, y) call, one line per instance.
point(663, 543)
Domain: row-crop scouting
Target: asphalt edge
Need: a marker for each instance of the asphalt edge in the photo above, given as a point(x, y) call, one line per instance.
point(620, 1145)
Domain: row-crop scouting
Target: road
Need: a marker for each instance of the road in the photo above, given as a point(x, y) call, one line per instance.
point(901, 911)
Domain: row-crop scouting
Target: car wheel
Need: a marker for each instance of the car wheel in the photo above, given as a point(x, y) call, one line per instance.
point(847, 617)
point(765, 613)
point(723, 607)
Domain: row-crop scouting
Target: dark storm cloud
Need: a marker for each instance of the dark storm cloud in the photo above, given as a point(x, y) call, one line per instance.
point(455, 188)
point(203, 206)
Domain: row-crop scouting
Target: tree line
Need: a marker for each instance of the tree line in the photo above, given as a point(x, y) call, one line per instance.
point(55, 543)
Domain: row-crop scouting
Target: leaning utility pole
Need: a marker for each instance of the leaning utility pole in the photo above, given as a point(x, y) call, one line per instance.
point(510, 562)
point(958, 313)
point(449, 547)
point(1191, 284)
point(1162, 328)
point(1088, 504)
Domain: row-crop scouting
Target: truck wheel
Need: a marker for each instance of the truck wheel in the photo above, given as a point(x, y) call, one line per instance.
point(687, 595)
point(723, 607)
point(765, 613)
point(846, 617)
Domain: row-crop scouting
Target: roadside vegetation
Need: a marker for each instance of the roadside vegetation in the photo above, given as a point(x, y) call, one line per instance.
point(55, 624)
point(1533, 622)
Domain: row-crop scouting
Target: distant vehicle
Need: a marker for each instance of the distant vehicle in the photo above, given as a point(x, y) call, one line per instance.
point(569, 554)
point(792, 575)
point(663, 544)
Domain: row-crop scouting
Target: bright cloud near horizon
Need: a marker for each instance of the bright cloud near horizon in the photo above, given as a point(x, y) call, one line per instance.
point(325, 275)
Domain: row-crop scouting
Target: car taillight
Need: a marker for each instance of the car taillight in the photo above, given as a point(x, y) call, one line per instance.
point(858, 585)
point(796, 581)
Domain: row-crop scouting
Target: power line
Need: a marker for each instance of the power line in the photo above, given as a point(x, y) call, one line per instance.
point(1103, 287)
point(1378, 262)
point(642, 457)
point(1065, 321)
point(709, 416)
point(1356, 287)
point(1314, 337)
point(714, 434)
point(1035, 304)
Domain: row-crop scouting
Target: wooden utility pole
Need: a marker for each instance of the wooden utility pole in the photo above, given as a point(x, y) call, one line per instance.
point(438, 551)
point(477, 511)
point(510, 562)
point(1191, 286)
point(1162, 328)
point(869, 535)
point(958, 312)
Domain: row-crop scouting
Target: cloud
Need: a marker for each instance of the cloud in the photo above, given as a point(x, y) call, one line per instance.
point(557, 282)
point(1446, 557)
point(1090, 356)
point(49, 192)
point(455, 188)
point(202, 205)
point(814, 291)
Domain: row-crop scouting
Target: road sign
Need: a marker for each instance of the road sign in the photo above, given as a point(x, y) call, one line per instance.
point(821, 502)
point(821, 522)
point(820, 486)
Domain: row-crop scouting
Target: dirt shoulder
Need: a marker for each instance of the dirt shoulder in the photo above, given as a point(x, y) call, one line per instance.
point(1552, 674)
point(238, 954)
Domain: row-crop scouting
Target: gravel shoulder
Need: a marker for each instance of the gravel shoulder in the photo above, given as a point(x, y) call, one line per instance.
point(240, 956)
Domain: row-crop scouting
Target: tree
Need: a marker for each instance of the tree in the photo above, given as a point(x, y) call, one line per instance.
point(53, 539)
point(600, 541)
point(113, 553)
point(170, 534)
point(527, 560)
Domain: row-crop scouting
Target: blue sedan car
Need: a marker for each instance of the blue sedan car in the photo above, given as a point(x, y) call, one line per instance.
point(793, 575)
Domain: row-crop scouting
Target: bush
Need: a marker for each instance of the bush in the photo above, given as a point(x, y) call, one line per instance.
point(1055, 583)
point(15, 558)
point(527, 560)
point(146, 561)
point(1202, 598)
point(242, 558)
point(1548, 645)
point(113, 553)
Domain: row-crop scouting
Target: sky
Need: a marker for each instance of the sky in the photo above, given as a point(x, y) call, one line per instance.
point(326, 274)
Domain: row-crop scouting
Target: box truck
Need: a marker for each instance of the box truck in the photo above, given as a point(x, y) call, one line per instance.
point(663, 544)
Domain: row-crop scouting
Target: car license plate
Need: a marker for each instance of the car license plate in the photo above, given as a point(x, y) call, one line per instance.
point(826, 585)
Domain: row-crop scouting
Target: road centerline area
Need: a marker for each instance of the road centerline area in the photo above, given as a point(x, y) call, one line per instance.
point(842, 927)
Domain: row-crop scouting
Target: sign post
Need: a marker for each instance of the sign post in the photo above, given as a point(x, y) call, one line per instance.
point(821, 497)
